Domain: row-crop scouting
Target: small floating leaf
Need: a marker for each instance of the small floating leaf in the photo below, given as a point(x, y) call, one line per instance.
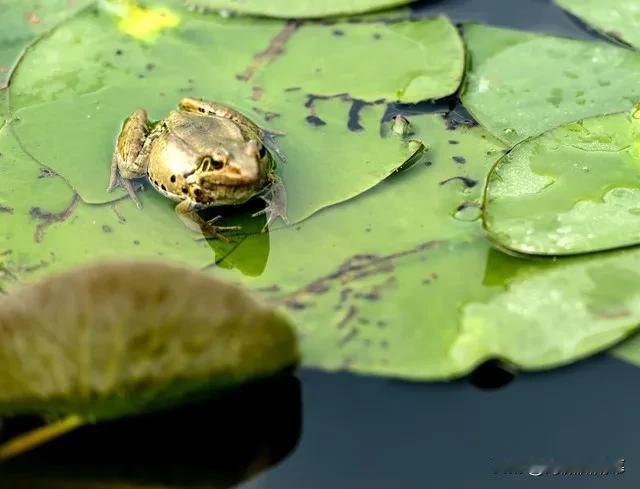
point(298, 8)
point(120, 338)
point(570, 80)
point(574, 189)
point(619, 19)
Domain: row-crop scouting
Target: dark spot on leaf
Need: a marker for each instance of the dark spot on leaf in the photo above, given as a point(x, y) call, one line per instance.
point(173, 179)
point(354, 115)
point(459, 159)
point(428, 163)
point(377, 36)
point(492, 374)
point(353, 332)
point(150, 66)
point(140, 75)
point(46, 172)
point(136, 242)
point(6, 209)
point(337, 32)
point(453, 141)
point(468, 182)
point(466, 205)
point(314, 120)
point(118, 52)
point(106, 229)
point(384, 344)
point(292, 89)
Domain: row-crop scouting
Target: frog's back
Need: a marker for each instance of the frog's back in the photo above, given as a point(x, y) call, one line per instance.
point(205, 131)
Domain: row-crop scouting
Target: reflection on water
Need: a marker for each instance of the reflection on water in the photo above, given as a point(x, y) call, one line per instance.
point(211, 444)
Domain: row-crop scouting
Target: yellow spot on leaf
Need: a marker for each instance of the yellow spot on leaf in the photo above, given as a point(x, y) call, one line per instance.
point(146, 23)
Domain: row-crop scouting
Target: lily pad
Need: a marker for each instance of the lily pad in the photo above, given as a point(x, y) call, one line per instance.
point(574, 189)
point(23, 22)
point(435, 300)
point(432, 47)
point(298, 8)
point(619, 19)
point(521, 84)
point(84, 360)
point(333, 143)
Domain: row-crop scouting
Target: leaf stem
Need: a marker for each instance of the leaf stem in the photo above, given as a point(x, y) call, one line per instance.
point(39, 436)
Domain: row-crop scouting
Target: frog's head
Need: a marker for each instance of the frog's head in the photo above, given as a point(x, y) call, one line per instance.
point(236, 163)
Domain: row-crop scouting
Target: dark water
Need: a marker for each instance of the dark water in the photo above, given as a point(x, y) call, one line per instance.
point(341, 431)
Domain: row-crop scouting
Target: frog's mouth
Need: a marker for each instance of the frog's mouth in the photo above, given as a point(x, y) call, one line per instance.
point(210, 180)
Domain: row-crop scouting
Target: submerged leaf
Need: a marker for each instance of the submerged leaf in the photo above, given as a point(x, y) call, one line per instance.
point(521, 84)
point(619, 19)
point(119, 338)
point(333, 143)
point(574, 189)
point(298, 8)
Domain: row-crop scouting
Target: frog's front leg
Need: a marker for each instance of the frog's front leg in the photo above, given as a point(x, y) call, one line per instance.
point(275, 198)
point(188, 213)
point(131, 154)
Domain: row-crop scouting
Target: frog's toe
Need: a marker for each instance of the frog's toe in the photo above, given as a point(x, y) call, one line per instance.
point(209, 230)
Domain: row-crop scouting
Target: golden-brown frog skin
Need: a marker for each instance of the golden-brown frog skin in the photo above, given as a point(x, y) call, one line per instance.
point(204, 154)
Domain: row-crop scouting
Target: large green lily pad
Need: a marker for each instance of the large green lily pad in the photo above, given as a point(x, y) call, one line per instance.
point(333, 144)
point(24, 21)
point(521, 84)
point(298, 8)
point(406, 285)
point(619, 19)
point(574, 189)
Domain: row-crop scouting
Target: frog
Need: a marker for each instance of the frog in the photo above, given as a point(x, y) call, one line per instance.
point(202, 155)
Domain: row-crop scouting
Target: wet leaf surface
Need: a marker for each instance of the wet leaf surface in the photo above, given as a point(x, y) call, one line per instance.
point(333, 143)
point(23, 22)
point(574, 189)
point(619, 19)
point(136, 336)
point(516, 98)
point(297, 8)
point(407, 286)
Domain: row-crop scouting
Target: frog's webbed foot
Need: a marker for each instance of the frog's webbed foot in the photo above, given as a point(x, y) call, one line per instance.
point(188, 214)
point(275, 198)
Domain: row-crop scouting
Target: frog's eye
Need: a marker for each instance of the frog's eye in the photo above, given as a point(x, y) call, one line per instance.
point(207, 163)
